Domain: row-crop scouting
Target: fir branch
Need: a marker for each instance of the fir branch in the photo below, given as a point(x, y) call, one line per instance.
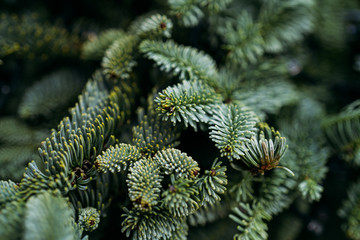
point(244, 189)
point(251, 222)
point(117, 158)
point(215, 6)
point(144, 183)
point(257, 85)
point(35, 182)
point(94, 94)
point(12, 220)
point(266, 70)
point(308, 154)
point(181, 231)
point(7, 190)
point(13, 160)
point(190, 102)
point(152, 27)
point(188, 12)
point(187, 62)
point(118, 60)
point(75, 156)
point(68, 155)
point(276, 192)
point(312, 170)
point(173, 161)
point(285, 23)
point(96, 45)
point(350, 211)
point(149, 225)
point(244, 41)
point(278, 25)
point(310, 189)
point(227, 83)
point(330, 23)
point(96, 97)
point(181, 197)
point(51, 94)
point(45, 211)
point(212, 183)
point(231, 127)
point(95, 195)
point(343, 132)
point(153, 135)
point(266, 97)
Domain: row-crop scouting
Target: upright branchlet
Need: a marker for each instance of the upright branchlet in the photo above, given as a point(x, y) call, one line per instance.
point(265, 150)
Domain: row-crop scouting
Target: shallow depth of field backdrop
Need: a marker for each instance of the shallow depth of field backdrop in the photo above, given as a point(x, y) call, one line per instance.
point(180, 119)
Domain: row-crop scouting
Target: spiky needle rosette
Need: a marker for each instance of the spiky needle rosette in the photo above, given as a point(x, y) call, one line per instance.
point(265, 150)
point(89, 218)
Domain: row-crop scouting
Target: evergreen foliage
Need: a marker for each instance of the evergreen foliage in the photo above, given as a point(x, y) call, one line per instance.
point(89, 218)
point(285, 23)
point(231, 127)
point(37, 217)
point(187, 62)
point(18, 145)
point(12, 215)
point(153, 135)
point(118, 60)
point(144, 182)
point(154, 26)
point(265, 150)
point(266, 97)
point(95, 47)
point(45, 211)
point(117, 158)
point(189, 102)
point(251, 222)
point(41, 99)
point(187, 11)
point(179, 198)
point(174, 161)
point(47, 40)
point(199, 119)
point(343, 132)
point(350, 211)
point(213, 183)
point(150, 225)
